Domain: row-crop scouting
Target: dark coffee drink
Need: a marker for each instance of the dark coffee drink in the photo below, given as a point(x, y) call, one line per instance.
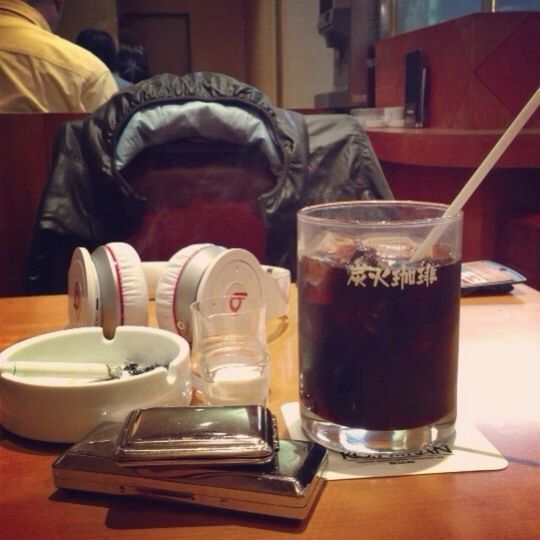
point(378, 342)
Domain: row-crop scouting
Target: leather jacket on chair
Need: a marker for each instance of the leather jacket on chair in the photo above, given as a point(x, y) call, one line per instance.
point(87, 200)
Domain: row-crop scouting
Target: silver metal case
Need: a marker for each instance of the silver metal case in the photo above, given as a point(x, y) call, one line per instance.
point(198, 435)
point(288, 486)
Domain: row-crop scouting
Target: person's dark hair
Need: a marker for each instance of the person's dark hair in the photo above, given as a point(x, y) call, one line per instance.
point(132, 63)
point(100, 43)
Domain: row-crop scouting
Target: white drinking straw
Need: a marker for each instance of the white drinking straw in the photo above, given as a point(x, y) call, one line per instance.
point(87, 370)
point(474, 181)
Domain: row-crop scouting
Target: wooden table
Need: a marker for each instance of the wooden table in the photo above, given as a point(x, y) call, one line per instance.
point(499, 385)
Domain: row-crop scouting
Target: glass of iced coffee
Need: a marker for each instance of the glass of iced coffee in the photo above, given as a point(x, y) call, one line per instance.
point(378, 326)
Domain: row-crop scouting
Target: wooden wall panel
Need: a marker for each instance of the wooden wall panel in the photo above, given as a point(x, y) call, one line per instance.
point(482, 68)
point(505, 193)
point(26, 140)
point(82, 14)
point(262, 48)
point(217, 30)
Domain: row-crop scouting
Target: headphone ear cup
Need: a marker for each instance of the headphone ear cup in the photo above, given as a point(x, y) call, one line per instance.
point(134, 290)
point(124, 293)
point(84, 301)
point(168, 288)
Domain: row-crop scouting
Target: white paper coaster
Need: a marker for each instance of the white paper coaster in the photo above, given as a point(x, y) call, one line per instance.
point(470, 451)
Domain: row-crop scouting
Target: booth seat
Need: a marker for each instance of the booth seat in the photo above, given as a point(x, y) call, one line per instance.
point(27, 141)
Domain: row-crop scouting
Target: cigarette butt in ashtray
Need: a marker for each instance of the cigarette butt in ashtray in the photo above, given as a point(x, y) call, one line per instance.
point(87, 370)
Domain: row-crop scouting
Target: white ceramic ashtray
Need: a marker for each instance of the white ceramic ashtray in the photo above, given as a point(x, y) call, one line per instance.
point(58, 386)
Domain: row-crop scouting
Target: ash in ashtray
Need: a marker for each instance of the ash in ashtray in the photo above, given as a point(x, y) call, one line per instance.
point(132, 368)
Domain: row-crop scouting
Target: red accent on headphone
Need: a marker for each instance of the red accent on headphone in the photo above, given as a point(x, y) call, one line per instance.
point(76, 295)
point(119, 278)
point(235, 303)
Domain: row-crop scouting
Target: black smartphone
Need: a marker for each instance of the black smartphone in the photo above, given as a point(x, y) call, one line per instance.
point(487, 277)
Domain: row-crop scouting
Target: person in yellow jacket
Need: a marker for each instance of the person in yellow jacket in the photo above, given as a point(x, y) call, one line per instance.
point(42, 72)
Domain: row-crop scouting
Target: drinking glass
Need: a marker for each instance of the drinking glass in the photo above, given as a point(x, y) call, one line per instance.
point(378, 329)
point(230, 364)
point(235, 373)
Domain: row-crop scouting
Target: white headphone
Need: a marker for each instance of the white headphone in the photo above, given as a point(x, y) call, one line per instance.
point(111, 286)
